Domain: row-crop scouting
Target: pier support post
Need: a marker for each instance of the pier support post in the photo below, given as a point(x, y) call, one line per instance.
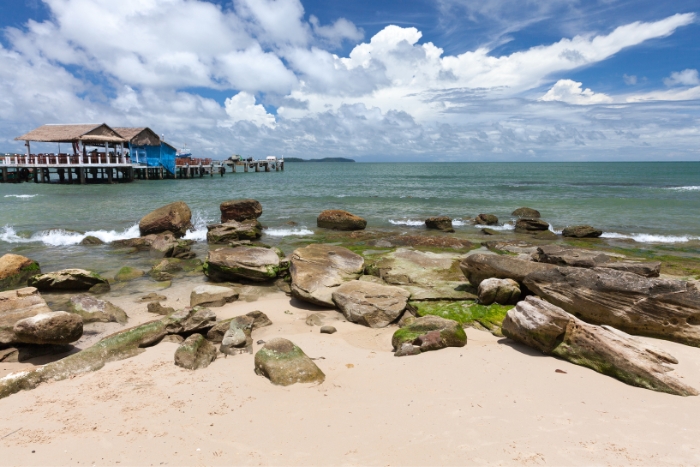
point(257, 167)
point(233, 167)
point(4, 174)
point(267, 167)
point(160, 175)
point(201, 172)
point(245, 166)
point(81, 175)
point(146, 172)
point(37, 170)
point(110, 175)
point(70, 175)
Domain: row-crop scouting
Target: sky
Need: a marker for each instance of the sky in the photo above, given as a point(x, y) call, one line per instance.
point(396, 80)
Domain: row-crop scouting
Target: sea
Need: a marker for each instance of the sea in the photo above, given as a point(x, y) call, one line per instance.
point(656, 203)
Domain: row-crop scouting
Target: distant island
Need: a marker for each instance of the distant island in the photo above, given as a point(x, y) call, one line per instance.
point(325, 159)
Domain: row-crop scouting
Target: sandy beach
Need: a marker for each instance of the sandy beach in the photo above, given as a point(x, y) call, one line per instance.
point(493, 402)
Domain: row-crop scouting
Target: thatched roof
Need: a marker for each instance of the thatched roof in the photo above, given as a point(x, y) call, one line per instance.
point(93, 133)
point(139, 136)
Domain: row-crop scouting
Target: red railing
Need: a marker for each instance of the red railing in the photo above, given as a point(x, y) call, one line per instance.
point(191, 161)
point(64, 159)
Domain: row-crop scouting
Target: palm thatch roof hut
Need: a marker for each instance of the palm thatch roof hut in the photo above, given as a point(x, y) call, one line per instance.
point(87, 134)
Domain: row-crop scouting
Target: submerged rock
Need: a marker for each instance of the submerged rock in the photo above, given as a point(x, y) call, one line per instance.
point(175, 217)
point(67, 279)
point(436, 241)
point(165, 270)
point(234, 231)
point(240, 210)
point(92, 310)
point(337, 219)
point(195, 353)
point(501, 291)
point(16, 270)
point(486, 219)
point(442, 223)
point(581, 231)
point(527, 213)
point(212, 295)
point(55, 328)
point(479, 267)
point(370, 304)
point(128, 273)
point(251, 263)
point(91, 240)
point(429, 333)
point(283, 363)
point(548, 328)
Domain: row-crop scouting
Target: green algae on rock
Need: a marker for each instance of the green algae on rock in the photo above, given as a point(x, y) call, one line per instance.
point(195, 352)
point(466, 313)
point(128, 273)
point(284, 363)
point(15, 270)
point(430, 333)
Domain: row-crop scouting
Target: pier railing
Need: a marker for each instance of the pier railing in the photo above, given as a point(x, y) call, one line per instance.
point(185, 161)
point(35, 160)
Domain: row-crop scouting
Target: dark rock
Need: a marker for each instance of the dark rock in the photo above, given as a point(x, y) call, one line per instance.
point(240, 210)
point(174, 217)
point(91, 240)
point(489, 232)
point(195, 353)
point(481, 266)
point(328, 330)
point(284, 363)
point(336, 219)
point(526, 213)
point(442, 223)
point(67, 279)
point(581, 231)
point(526, 225)
point(16, 270)
point(486, 219)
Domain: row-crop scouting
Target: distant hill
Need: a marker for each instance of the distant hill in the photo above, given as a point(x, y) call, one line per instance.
point(325, 159)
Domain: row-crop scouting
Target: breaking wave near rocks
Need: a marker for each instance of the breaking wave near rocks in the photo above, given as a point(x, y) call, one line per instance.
point(62, 237)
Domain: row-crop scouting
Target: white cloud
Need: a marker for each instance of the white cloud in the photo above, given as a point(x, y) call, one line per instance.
point(336, 33)
point(242, 107)
point(566, 90)
point(684, 78)
point(629, 80)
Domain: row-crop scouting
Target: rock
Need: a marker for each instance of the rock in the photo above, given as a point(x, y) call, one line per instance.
point(174, 217)
point(233, 231)
point(250, 321)
point(251, 263)
point(526, 213)
point(548, 328)
point(127, 273)
point(430, 333)
point(370, 304)
point(24, 352)
point(662, 308)
point(173, 338)
point(336, 219)
point(526, 225)
point(437, 241)
point(486, 219)
point(581, 231)
point(166, 245)
point(212, 295)
point(194, 319)
point(92, 310)
point(478, 267)
point(16, 305)
point(315, 319)
point(234, 337)
point(98, 289)
point(568, 256)
point(55, 328)
point(318, 269)
point(91, 240)
point(407, 349)
point(489, 232)
point(16, 270)
point(642, 268)
point(406, 319)
point(328, 330)
point(66, 279)
point(240, 210)
point(195, 352)
point(164, 270)
point(284, 285)
point(443, 223)
point(545, 235)
point(283, 363)
point(501, 291)
point(152, 297)
point(157, 308)
point(466, 313)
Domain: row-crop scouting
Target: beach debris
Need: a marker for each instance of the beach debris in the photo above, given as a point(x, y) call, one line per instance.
point(175, 218)
point(581, 231)
point(486, 219)
point(501, 291)
point(428, 333)
point(67, 279)
point(195, 353)
point(250, 263)
point(548, 328)
point(370, 304)
point(662, 308)
point(526, 225)
point(158, 309)
point(128, 273)
point(16, 270)
point(336, 219)
point(328, 330)
point(575, 257)
point(240, 210)
point(93, 310)
point(442, 223)
point(318, 269)
point(55, 328)
point(283, 363)
point(481, 266)
point(527, 213)
point(233, 231)
point(212, 295)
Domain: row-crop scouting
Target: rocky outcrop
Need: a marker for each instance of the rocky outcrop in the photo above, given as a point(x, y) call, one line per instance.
point(530, 226)
point(548, 328)
point(212, 295)
point(16, 270)
point(251, 263)
point(442, 223)
point(662, 308)
point(370, 304)
point(232, 231)
point(478, 267)
point(568, 256)
point(92, 310)
point(240, 210)
point(486, 219)
point(175, 217)
point(336, 219)
point(195, 352)
point(67, 279)
point(501, 291)
point(428, 333)
point(526, 213)
point(55, 328)
point(581, 231)
point(317, 270)
point(283, 363)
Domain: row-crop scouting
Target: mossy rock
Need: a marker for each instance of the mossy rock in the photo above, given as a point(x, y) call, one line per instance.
point(449, 333)
point(16, 270)
point(466, 313)
point(128, 273)
point(284, 363)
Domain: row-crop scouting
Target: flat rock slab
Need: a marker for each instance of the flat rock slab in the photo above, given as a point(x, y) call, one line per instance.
point(16, 305)
point(212, 295)
point(441, 290)
point(93, 310)
point(251, 263)
point(284, 364)
point(370, 304)
point(67, 279)
point(575, 257)
point(478, 267)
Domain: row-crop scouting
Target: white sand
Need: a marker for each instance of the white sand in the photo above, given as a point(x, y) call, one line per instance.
point(491, 402)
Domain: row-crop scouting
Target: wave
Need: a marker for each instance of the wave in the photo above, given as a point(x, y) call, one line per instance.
point(199, 233)
point(458, 222)
point(20, 196)
point(288, 232)
point(685, 188)
point(650, 238)
point(496, 227)
point(61, 237)
point(408, 222)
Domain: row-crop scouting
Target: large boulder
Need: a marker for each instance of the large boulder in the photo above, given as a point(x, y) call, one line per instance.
point(175, 217)
point(569, 256)
point(212, 295)
point(55, 328)
point(501, 291)
point(283, 363)
point(548, 328)
point(369, 303)
point(240, 210)
point(428, 333)
point(67, 279)
point(318, 269)
point(92, 310)
point(478, 267)
point(336, 219)
point(15, 270)
point(442, 223)
point(233, 231)
point(486, 219)
point(195, 352)
point(662, 308)
point(16, 305)
point(581, 231)
point(251, 263)
point(526, 213)
point(529, 226)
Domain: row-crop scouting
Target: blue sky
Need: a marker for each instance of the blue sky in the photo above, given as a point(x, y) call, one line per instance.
point(443, 80)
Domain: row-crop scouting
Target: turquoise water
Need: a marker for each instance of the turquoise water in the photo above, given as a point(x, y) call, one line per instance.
point(657, 202)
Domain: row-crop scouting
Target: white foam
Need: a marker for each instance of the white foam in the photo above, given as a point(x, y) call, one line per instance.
point(199, 233)
point(61, 237)
point(650, 238)
point(20, 196)
point(408, 222)
point(458, 222)
point(496, 227)
point(685, 188)
point(288, 232)
point(551, 229)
